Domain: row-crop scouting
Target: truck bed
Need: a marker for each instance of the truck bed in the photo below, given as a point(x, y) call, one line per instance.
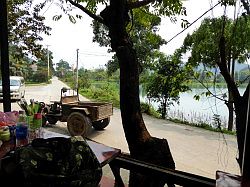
point(95, 110)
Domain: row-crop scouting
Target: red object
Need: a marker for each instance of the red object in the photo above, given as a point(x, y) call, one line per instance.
point(38, 116)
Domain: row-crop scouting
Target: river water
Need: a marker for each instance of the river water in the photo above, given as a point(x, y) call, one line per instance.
point(194, 111)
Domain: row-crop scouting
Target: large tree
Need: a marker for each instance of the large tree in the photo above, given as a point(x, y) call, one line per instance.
point(25, 25)
point(116, 17)
point(205, 50)
point(220, 42)
point(62, 67)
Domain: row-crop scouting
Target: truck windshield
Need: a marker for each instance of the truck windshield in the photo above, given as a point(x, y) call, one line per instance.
point(12, 83)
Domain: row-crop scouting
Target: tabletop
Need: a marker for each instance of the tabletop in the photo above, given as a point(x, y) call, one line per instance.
point(104, 153)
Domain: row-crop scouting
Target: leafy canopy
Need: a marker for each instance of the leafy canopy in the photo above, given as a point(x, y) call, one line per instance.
point(25, 25)
point(167, 79)
point(204, 42)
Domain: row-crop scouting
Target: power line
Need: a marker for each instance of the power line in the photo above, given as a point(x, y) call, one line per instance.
point(77, 52)
point(193, 22)
point(94, 54)
point(48, 8)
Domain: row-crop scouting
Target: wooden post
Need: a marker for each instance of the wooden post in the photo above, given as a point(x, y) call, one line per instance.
point(4, 50)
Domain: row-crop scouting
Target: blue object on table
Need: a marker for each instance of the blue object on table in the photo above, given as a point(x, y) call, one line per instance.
point(21, 131)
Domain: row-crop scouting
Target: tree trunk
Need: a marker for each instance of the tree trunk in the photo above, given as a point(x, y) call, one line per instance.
point(164, 109)
point(141, 145)
point(230, 111)
point(230, 100)
point(241, 108)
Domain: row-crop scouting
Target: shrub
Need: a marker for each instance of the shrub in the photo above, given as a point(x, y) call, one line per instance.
point(148, 109)
point(105, 93)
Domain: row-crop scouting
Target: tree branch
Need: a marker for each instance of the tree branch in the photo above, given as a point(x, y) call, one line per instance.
point(241, 82)
point(224, 71)
point(226, 101)
point(89, 13)
point(246, 6)
point(138, 4)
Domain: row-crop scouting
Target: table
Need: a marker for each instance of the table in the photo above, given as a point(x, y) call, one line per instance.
point(104, 154)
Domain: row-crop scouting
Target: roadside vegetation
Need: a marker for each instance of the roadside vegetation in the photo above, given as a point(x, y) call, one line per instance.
point(97, 85)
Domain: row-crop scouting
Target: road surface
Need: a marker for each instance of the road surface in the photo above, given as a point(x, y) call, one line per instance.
point(194, 150)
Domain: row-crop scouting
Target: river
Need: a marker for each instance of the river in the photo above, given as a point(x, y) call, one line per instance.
point(194, 111)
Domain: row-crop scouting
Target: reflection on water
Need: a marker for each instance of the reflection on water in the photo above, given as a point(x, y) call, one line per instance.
point(201, 111)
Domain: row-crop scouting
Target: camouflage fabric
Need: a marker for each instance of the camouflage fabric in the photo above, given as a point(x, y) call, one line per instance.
point(59, 162)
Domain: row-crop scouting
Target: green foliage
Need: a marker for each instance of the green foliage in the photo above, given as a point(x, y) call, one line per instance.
point(164, 7)
point(106, 92)
point(95, 85)
point(69, 79)
point(148, 109)
point(38, 77)
point(43, 60)
point(204, 42)
point(243, 76)
point(203, 126)
point(84, 82)
point(197, 97)
point(166, 81)
point(99, 75)
point(145, 108)
point(143, 34)
point(100, 34)
point(25, 25)
point(204, 45)
point(62, 68)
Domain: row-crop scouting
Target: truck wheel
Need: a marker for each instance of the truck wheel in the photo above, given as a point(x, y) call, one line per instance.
point(77, 124)
point(100, 125)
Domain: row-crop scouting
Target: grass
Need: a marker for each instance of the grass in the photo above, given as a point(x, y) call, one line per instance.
point(203, 126)
point(148, 109)
point(30, 83)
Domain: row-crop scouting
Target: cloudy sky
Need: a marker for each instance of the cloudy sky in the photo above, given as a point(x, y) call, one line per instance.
point(66, 37)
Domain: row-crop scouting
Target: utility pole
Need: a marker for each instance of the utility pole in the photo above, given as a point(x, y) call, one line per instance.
point(48, 59)
point(77, 51)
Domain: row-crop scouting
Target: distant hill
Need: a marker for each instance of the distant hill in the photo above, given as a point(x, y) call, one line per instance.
point(238, 67)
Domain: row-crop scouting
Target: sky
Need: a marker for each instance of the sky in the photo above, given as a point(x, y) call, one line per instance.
point(67, 37)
